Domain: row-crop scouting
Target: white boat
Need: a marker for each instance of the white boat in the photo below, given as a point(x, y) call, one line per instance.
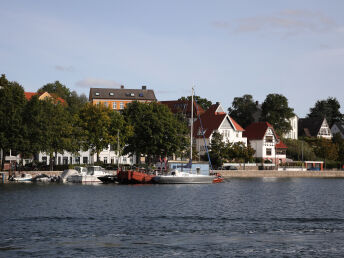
point(91, 176)
point(189, 176)
point(67, 175)
point(23, 178)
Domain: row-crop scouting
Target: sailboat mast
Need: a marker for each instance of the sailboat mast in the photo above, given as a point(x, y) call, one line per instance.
point(192, 95)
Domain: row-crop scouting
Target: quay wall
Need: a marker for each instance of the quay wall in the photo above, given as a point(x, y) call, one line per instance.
point(276, 173)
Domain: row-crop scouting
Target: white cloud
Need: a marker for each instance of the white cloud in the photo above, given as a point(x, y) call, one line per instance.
point(92, 82)
point(64, 68)
point(287, 22)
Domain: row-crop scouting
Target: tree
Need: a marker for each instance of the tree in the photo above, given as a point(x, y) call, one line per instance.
point(276, 111)
point(57, 88)
point(239, 152)
point(12, 102)
point(156, 131)
point(217, 150)
point(299, 150)
point(242, 110)
point(326, 149)
point(95, 122)
point(203, 102)
point(329, 108)
point(76, 102)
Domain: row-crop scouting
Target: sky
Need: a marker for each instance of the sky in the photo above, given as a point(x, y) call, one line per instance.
point(225, 49)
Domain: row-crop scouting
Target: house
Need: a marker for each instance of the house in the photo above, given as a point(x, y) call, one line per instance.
point(215, 119)
point(45, 95)
point(184, 108)
point(314, 127)
point(293, 121)
point(117, 99)
point(338, 127)
point(264, 140)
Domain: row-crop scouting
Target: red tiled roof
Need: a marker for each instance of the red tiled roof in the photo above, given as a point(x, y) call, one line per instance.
point(281, 145)
point(211, 121)
point(236, 125)
point(29, 95)
point(183, 106)
point(256, 131)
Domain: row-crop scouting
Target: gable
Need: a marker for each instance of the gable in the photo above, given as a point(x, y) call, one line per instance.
point(226, 124)
point(219, 109)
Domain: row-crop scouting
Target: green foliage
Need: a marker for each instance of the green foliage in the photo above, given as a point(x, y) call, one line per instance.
point(242, 110)
point(239, 152)
point(12, 102)
point(276, 111)
point(299, 150)
point(326, 150)
point(203, 102)
point(329, 108)
point(156, 131)
point(217, 150)
point(57, 88)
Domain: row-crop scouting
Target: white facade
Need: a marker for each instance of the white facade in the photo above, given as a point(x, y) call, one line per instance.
point(265, 148)
point(107, 156)
point(325, 131)
point(293, 133)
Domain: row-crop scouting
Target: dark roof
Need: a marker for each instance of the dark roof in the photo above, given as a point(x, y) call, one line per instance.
point(340, 126)
point(310, 126)
point(125, 94)
point(183, 106)
point(256, 131)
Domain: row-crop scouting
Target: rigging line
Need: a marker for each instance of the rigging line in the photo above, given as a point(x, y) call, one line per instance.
point(205, 143)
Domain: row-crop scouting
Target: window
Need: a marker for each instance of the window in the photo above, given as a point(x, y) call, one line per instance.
point(105, 160)
point(112, 160)
point(268, 152)
point(124, 159)
point(85, 160)
point(140, 94)
point(65, 160)
point(44, 160)
point(121, 105)
point(114, 105)
point(111, 94)
point(70, 160)
point(59, 160)
point(132, 94)
point(97, 94)
point(77, 160)
point(269, 139)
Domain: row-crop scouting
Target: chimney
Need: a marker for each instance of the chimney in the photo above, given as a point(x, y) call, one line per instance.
point(217, 103)
point(122, 86)
point(144, 87)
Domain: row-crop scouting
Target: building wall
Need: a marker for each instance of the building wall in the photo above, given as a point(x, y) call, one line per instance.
point(115, 104)
point(293, 133)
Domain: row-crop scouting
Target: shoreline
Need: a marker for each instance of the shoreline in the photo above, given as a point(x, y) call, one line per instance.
point(281, 174)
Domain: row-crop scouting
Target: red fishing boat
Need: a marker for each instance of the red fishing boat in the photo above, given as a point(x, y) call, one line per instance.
point(218, 179)
point(134, 177)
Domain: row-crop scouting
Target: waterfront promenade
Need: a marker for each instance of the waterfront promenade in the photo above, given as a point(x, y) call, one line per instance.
point(277, 173)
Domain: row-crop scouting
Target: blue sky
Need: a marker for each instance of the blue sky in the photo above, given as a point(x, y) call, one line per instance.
point(225, 48)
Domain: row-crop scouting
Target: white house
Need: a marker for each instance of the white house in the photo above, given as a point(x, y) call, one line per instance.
point(293, 133)
point(264, 140)
point(315, 127)
point(215, 119)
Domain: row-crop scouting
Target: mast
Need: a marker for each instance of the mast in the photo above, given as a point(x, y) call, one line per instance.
point(117, 150)
point(191, 124)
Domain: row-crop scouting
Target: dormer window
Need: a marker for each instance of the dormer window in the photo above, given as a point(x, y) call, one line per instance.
point(140, 94)
point(97, 94)
point(132, 94)
point(111, 94)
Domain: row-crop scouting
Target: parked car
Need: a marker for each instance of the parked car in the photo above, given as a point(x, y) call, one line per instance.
point(229, 168)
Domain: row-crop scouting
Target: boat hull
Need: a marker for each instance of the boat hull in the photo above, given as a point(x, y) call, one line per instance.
point(183, 179)
point(111, 179)
point(134, 177)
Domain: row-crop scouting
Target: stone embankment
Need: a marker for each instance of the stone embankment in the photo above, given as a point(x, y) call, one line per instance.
point(275, 173)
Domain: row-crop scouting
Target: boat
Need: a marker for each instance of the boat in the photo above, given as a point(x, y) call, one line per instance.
point(108, 179)
point(134, 177)
point(22, 178)
point(193, 174)
point(91, 176)
point(68, 174)
point(42, 178)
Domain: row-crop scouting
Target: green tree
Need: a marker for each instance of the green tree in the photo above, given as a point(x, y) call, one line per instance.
point(57, 88)
point(217, 150)
point(299, 150)
point(203, 102)
point(276, 111)
point(95, 122)
point(156, 131)
point(239, 152)
point(329, 108)
point(242, 110)
point(326, 149)
point(12, 102)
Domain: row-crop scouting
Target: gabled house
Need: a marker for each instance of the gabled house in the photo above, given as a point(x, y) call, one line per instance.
point(184, 108)
point(338, 127)
point(215, 119)
point(45, 95)
point(117, 99)
point(264, 140)
point(314, 127)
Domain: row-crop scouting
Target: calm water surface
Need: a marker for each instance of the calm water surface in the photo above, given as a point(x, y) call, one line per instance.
point(242, 217)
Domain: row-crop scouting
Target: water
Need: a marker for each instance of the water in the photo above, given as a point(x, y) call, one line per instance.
point(242, 217)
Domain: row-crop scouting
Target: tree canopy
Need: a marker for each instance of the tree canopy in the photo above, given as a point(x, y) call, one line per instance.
point(276, 111)
point(203, 102)
point(156, 131)
point(242, 110)
point(329, 108)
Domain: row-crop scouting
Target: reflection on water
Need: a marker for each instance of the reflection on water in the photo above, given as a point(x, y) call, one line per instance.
point(242, 217)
